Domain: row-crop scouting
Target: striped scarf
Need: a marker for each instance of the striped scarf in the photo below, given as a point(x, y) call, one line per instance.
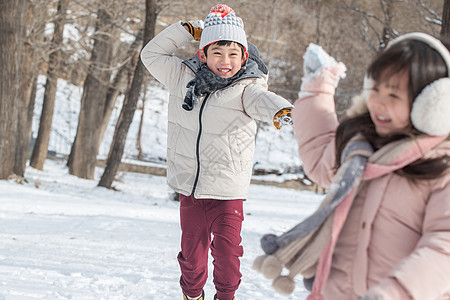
point(307, 248)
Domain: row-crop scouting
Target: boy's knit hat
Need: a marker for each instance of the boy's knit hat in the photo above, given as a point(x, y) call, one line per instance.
point(222, 24)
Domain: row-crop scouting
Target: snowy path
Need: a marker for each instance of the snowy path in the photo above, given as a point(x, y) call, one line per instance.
point(69, 239)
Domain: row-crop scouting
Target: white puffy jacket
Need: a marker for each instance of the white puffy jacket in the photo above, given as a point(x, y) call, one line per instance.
point(210, 149)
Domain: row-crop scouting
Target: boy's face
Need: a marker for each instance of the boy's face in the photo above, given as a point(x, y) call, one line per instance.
point(224, 61)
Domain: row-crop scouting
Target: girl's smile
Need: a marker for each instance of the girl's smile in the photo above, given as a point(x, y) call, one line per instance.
point(390, 105)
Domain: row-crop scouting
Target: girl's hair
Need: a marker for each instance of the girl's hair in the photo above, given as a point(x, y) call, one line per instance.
point(423, 66)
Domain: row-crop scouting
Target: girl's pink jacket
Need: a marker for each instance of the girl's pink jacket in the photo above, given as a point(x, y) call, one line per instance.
point(396, 239)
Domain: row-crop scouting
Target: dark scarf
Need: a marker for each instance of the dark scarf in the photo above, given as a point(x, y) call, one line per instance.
point(206, 82)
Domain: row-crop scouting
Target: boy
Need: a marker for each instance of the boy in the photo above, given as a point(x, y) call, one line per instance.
point(215, 98)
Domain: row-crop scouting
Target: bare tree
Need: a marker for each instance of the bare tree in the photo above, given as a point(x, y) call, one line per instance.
point(374, 25)
point(281, 30)
point(129, 105)
point(141, 123)
point(122, 78)
point(445, 27)
point(12, 30)
point(28, 73)
point(388, 31)
point(83, 156)
point(45, 125)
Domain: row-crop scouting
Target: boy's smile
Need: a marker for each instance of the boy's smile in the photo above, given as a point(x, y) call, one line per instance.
point(224, 61)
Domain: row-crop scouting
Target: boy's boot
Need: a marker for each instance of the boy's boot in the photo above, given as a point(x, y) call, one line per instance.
point(202, 297)
point(215, 297)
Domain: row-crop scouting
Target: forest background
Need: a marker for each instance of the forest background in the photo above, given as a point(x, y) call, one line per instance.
point(102, 57)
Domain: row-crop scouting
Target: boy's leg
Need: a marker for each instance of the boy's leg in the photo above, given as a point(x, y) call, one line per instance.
point(195, 241)
point(225, 248)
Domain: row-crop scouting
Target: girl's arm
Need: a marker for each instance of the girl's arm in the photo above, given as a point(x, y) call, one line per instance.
point(315, 121)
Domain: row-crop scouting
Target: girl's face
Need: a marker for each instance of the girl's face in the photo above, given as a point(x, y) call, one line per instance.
point(390, 105)
point(224, 61)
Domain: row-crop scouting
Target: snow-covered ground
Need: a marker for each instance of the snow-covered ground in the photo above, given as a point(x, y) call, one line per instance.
point(62, 237)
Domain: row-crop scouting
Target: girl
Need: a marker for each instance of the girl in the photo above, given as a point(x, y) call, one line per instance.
point(394, 240)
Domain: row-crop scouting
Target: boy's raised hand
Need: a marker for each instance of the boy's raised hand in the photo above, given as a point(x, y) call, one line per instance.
point(195, 28)
point(282, 117)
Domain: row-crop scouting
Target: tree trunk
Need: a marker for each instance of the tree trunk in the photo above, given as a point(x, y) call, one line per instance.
point(23, 122)
point(118, 83)
point(141, 122)
point(318, 11)
point(129, 105)
point(45, 124)
point(12, 14)
point(445, 27)
point(83, 156)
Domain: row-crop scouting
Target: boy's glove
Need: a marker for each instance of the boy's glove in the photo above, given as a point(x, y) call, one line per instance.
point(195, 28)
point(283, 117)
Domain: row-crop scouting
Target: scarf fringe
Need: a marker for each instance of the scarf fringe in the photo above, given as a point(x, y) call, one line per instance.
point(308, 247)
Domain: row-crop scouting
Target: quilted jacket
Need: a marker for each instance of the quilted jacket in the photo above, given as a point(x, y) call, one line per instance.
point(396, 239)
point(210, 149)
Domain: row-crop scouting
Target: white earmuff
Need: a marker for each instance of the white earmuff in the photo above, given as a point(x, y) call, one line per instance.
point(430, 112)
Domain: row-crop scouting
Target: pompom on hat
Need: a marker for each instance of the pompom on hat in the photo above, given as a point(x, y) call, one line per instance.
point(222, 24)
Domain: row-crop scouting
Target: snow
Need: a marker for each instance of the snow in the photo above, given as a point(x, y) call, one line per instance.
point(63, 237)
point(275, 149)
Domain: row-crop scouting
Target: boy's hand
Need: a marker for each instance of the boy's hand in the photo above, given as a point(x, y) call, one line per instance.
point(283, 117)
point(195, 28)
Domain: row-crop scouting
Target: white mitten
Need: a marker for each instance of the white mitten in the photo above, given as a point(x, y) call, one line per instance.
point(321, 71)
point(315, 58)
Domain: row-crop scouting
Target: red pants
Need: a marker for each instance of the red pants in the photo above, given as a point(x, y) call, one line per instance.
point(201, 218)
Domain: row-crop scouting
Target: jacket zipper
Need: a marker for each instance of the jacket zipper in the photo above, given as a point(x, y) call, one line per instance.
point(197, 148)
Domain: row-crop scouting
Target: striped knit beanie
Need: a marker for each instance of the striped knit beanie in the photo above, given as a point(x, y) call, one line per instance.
point(222, 24)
